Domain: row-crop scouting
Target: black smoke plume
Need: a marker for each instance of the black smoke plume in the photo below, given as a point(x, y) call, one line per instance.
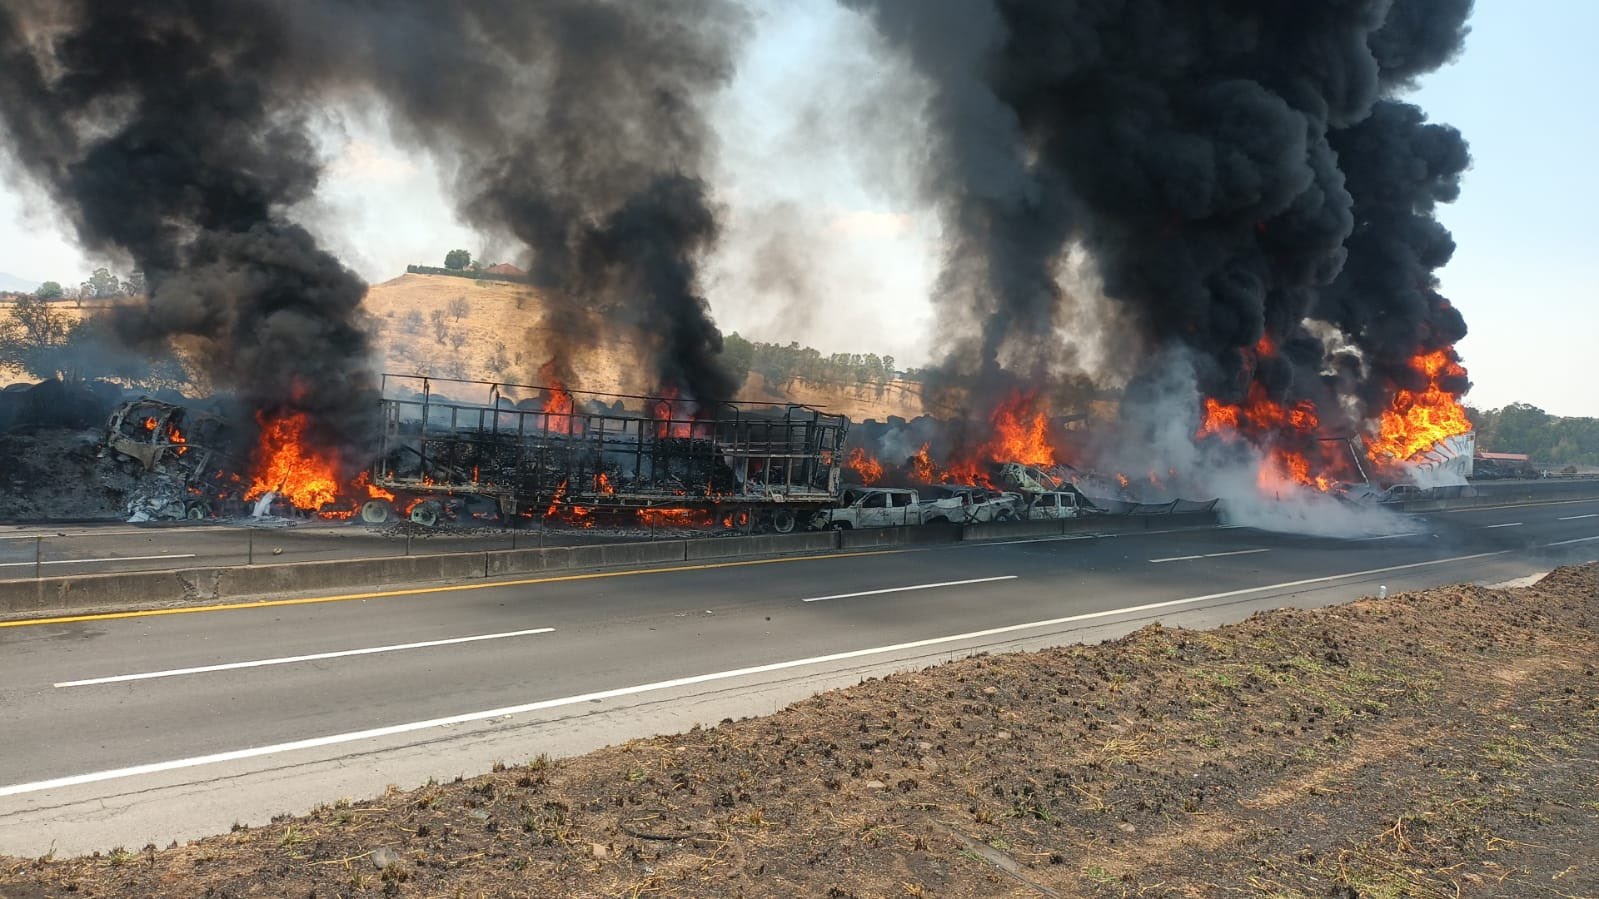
point(1234, 168)
point(575, 126)
point(168, 132)
point(180, 134)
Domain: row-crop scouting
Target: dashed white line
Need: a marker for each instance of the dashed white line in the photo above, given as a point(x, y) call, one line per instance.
point(1579, 517)
point(1391, 536)
point(289, 660)
point(1508, 524)
point(107, 559)
point(1236, 552)
point(1569, 542)
point(469, 717)
point(975, 580)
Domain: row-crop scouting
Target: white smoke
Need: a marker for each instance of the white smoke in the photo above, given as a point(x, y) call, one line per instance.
point(1160, 419)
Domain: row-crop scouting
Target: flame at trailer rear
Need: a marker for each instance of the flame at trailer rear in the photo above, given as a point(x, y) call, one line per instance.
point(1416, 420)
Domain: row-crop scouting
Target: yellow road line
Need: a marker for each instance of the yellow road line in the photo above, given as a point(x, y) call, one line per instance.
point(417, 591)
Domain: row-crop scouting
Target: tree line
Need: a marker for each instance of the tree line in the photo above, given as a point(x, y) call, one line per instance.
point(779, 363)
point(1524, 428)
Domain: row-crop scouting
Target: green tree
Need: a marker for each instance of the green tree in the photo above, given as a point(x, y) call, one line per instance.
point(457, 259)
point(102, 284)
point(49, 290)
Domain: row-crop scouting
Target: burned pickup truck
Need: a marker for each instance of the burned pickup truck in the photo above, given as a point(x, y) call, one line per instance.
point(555, 455)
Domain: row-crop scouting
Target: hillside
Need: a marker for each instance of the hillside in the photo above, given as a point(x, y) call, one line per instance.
point(1433, 744)
point(507, 331)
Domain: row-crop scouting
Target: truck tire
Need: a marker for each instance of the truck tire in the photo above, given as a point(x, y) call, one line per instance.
point(197, 511)
point(783, 521)
point(376, 511)
point(426, 513)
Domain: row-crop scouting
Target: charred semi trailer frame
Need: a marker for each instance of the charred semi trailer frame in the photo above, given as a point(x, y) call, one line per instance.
point(756, 466)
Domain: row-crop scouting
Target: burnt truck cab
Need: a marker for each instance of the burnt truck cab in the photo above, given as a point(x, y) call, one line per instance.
point(159, 434)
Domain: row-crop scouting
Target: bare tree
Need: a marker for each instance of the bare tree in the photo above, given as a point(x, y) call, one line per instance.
point(459, 308)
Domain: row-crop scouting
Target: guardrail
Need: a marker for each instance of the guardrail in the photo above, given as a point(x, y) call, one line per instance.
point(149, 589)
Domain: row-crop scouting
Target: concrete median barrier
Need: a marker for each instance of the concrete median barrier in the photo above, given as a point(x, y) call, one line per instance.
point(528, 561)
point(761, 545)
point(866, 538)
point(613, 555)
point(1011, 530)
point(346, 574)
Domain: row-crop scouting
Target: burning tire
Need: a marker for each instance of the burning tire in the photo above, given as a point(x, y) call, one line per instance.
point(427, 513)
point(376, 511)
point(783, 521)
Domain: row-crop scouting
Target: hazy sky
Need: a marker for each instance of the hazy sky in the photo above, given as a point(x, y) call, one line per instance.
point(826, 243)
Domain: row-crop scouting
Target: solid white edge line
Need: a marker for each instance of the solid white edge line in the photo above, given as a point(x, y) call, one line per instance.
point(975, 580)
point(1175, 559)
point(1508, 524)
point(107, 559)
point(469, 717)
point(1236, 552)
point(1569, 542)
point(1579, 517)
point(289, 660)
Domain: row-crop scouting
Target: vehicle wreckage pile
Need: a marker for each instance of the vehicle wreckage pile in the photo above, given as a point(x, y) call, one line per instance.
point(540, 455)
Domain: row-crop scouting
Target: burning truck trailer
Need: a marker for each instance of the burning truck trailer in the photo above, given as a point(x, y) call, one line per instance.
point(740, 466)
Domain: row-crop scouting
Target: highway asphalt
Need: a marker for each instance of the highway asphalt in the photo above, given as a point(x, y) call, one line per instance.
point(123, 730)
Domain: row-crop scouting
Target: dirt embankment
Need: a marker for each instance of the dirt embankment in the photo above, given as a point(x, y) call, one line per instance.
point(1429, 745)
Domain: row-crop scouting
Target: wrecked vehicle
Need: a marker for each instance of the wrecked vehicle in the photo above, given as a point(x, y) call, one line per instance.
point(874, 507)
point(1056, 505)
point(185, 451)
point(752, 466)
point(973, 505)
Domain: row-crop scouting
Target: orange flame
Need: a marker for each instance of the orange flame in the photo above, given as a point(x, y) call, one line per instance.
point(922, 466)
point(867, 467)
point(1021, 432)
point(558, 404)
point(285, 464)
point(1416, 420)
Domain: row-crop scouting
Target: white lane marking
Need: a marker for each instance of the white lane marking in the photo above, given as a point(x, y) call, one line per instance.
point(289, 660)
point(1236, 552)
point(469, 717)
point(1516, 505)
point(1035, 540)
point(1579, 517)
point(1569, 542)
point(976, 580)
point(1391, 536)
point(1508, 524)
point(107, 559)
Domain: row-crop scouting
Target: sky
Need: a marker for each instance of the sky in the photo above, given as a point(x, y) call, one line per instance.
point(825, 241)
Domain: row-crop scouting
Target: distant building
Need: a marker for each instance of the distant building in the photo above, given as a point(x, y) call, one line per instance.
point(505, 268)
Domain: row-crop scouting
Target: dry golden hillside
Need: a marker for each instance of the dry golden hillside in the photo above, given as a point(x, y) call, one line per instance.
point(450, 327)
point(505, 332)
